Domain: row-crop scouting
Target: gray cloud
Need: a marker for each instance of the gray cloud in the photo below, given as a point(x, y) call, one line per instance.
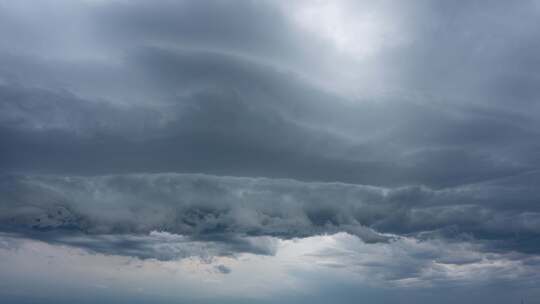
point(226, 209)
point(392, 122)
point(161, 246)
point(259, 122)
point(223, 269)
point(200, 206)
point(176, 93)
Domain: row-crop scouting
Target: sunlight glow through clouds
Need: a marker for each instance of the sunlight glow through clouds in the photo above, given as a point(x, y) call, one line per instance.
point(360, 35)
point(342, 256)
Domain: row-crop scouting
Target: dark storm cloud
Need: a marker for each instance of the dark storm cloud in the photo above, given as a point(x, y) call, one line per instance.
point(224, 98)
point(201, 206)
point(261, 30)
point(442, 165)
point(225, 209)
point(244, 118)
point(473, 52)
point(412, 127)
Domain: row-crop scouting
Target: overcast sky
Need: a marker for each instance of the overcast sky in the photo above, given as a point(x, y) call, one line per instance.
point(269, 151)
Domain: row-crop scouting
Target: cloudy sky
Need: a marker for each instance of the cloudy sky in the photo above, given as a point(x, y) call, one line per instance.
point(268, 152)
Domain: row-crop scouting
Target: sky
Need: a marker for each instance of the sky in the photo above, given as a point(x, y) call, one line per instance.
point(266, 152)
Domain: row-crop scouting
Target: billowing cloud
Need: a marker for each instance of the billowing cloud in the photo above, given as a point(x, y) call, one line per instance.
point(402, 137)
point(228, 209)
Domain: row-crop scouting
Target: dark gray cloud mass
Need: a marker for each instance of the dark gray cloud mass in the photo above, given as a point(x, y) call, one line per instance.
point(228, 209)
point(175, 129)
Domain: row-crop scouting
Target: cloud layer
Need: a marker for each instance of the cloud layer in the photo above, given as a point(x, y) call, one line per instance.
point(229, 209)
point(398, 141)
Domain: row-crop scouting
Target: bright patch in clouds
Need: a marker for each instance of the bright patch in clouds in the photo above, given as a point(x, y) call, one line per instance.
point(357, 29)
